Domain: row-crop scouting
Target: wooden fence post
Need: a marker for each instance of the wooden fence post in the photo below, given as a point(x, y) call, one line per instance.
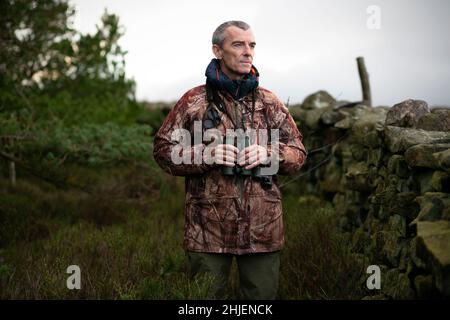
point(365, 85)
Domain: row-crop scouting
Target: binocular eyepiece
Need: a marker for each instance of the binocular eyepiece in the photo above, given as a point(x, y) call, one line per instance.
point(266, 181)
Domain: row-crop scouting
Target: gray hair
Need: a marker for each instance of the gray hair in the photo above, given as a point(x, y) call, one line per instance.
point(219, 35)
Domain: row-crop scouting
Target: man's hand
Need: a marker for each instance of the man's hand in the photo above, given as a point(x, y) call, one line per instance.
point(253, 156)
point(224, 154)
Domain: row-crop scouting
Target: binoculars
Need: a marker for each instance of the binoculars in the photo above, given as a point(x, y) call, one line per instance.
point(239, 170)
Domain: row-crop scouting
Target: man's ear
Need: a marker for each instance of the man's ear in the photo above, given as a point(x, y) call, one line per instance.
point(217, 51)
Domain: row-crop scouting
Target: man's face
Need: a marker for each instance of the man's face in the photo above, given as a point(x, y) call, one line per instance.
point(236, 54)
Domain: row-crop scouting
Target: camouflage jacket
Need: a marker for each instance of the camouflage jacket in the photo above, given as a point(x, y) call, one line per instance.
point(231, 214)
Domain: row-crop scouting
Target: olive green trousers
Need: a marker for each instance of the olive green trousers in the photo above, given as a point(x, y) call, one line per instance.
point(258, 273)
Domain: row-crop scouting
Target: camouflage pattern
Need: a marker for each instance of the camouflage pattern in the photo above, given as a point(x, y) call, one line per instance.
point(231, 214)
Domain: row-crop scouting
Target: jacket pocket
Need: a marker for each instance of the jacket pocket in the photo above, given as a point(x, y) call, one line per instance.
point(212, 209)
point(267, 221)
point(211, 223)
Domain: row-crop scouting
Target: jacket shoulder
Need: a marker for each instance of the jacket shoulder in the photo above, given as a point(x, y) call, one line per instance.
point(192, 103)
point(193, 95)
point(192, 99)
point(196, 91)
point(270, 99)
point(268, 96)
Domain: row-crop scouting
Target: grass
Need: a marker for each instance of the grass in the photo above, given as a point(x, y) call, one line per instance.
point(126, 237)
point(126, 240)
point(316, 262)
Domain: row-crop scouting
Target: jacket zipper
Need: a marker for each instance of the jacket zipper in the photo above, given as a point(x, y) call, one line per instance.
point(241, 179)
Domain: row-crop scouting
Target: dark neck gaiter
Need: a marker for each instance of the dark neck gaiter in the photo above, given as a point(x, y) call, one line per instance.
point(236, 88)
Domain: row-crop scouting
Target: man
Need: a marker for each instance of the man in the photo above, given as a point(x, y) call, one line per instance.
point(232, 210)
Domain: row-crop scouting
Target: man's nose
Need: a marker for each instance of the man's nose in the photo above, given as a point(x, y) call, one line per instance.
point(248, 50)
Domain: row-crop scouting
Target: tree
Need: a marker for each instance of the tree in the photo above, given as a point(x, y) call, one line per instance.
point(41, 55)
point(29, 33)
point(55, 80)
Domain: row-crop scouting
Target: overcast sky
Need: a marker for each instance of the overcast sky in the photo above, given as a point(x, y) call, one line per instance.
point(302, 46)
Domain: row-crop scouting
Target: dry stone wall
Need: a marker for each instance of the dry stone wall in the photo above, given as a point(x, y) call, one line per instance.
point(387, 173)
